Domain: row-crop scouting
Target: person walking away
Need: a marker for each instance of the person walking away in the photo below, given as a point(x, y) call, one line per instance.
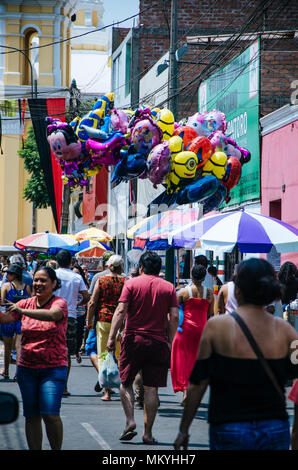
point(197, 302)
point(293, 396)
point(103, 303)
point(149, 306)
point(217, 283)
point(72, 285)
point(12, 291)
point(246, 410)
point(202, 260)
point(91, 337)
point(42, 368)
point(81, 315)
point(288, 276)
point(227, 301)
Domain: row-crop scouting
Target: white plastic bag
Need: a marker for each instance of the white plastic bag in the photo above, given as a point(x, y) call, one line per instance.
point(108, 376)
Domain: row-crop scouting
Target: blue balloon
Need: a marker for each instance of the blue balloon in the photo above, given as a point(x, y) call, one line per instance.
point(216, 200)
point(130, 166)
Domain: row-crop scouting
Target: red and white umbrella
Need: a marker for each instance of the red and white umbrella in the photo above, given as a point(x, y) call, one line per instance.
point(45, 242)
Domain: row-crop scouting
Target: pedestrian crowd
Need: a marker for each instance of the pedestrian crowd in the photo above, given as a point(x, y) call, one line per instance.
point(232, 338)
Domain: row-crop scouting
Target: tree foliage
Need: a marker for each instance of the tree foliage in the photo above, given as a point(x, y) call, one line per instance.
point(35, 189)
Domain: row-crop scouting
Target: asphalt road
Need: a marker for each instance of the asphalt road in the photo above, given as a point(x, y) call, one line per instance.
point(94, 425)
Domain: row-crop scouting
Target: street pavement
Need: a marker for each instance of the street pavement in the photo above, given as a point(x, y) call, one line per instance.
point(92, 424)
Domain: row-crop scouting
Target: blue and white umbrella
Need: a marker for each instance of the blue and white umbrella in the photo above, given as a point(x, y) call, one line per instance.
point(251, 232)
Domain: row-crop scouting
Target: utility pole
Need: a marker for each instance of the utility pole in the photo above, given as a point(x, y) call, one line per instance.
point(172, 104)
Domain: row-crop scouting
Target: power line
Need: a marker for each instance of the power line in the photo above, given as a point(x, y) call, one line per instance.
point(259, 55)
point(83, 34)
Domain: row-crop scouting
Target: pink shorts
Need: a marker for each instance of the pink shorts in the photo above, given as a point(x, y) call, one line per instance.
point(142, 353)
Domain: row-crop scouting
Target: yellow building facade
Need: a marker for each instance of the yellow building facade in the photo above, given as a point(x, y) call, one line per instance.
point(24, 25)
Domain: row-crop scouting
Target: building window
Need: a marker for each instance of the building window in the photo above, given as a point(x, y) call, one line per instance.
point(31, 43)
point(88, 18)
point(116, 76)
point(128, 69)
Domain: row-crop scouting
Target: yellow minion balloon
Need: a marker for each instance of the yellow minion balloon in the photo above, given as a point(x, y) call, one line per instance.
point(176, 145)
point(216, 165)
point(183, 169)
point(165, 120)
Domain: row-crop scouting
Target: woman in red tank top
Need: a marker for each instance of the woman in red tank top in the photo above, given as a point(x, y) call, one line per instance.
point(197, 302)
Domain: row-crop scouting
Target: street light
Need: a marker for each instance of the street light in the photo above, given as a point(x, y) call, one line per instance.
point(31, 68)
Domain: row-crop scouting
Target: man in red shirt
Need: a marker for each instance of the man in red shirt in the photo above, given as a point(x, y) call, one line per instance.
point(150, 307)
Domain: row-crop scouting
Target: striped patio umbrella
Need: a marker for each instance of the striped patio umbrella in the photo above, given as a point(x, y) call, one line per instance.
point(250, 232)
point(91, 248)
point(154, 230)
point(45, 242)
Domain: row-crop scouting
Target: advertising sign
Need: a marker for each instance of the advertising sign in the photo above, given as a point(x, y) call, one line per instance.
point(234, 90)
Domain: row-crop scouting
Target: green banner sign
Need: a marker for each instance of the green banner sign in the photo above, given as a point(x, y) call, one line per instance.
point(234, 90)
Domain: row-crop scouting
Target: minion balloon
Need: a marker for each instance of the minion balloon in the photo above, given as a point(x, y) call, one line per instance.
point(165, 120)
point(183, 170)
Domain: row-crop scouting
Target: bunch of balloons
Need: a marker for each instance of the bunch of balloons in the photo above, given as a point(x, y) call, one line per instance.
point(194, 160)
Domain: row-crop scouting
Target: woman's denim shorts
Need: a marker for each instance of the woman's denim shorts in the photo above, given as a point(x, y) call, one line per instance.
point(269, 434)
point(41, 389)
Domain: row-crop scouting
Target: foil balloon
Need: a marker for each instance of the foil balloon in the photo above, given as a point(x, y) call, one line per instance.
point(232, 174)
point(183, 170)
point(176, 145)
point(106, 152)
point(165, 120)
point(94, 119)
point(145, 135)
point(197, 191)
point(130, 166)
point(63, 142)
point(119, 120)
point(216, 165)
point(202, 147)
point(159, 163)
point(194, 158)
point(208, 122)
point(216, 199)
point(186, 133)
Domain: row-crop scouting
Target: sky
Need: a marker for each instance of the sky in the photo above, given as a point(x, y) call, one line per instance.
point(117, 10)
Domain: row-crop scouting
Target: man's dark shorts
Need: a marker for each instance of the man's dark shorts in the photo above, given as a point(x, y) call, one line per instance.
point(71, 336)
point(140, 352)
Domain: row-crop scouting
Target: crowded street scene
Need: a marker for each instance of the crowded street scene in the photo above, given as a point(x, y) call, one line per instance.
point(148, 229)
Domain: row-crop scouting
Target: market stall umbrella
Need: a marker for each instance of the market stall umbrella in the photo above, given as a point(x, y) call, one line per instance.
point(95, 249)
point(156, 228)
point(250, 232)
point(93, 233)
point(45, 242)
point(8, 250)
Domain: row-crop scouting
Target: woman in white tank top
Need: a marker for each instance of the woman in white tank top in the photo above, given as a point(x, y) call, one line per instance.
point(232, 303)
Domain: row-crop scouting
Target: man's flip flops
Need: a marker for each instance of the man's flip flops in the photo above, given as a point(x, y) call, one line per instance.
point(127, 435)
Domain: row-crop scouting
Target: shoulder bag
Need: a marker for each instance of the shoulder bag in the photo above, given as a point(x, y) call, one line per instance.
point(259, 354)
